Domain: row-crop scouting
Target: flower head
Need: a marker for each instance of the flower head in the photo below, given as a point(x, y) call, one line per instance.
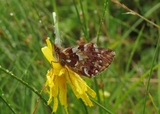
point(57, 78)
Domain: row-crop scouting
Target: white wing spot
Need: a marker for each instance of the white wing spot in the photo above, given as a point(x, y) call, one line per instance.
point(96, 50)
point(64, 50)
point(76, 63)
point(79, 56)
point(94, 45)
point(96, 71)
point(113, 53)
point(85, 47)
point(86, 72)
point(68, 60)
point(74, 49)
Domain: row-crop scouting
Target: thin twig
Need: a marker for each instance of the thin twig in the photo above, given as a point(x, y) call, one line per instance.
point(134, 13)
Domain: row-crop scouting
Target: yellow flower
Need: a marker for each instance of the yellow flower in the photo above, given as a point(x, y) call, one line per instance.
point(58, 76)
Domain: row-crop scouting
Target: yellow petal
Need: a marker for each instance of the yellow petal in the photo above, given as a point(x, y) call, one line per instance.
point(62, 71)
point(91, 92)
point(58, 69)
point(86, 100)
point(55, 105)
point(50, 77)
point(77, 83)
point(63, 91)
point(49, 44)
point(50, 100)
point(48, 54)
point(66, 110)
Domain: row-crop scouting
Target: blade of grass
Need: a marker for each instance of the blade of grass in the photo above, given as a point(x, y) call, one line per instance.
point(150, 74)
point(158, 82)
point(147, 14)
point(101, 20)
point(83, 24)
point(8, 105)
point(133, 86)
point(133, 50)
point(109, 112)
point(24, 83)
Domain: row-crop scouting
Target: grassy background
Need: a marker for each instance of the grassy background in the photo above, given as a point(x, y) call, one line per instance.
point(24, 25)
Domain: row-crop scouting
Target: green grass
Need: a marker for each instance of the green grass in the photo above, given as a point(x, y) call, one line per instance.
point(132, 80)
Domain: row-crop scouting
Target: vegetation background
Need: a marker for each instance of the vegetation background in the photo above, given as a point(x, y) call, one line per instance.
point(131, 85)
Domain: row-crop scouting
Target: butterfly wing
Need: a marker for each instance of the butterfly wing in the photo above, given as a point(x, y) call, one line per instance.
point(87, 59)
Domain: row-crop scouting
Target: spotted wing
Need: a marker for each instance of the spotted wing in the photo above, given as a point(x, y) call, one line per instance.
point(87, 59)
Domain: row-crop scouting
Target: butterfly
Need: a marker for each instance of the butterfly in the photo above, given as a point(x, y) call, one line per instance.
point(85, 59)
